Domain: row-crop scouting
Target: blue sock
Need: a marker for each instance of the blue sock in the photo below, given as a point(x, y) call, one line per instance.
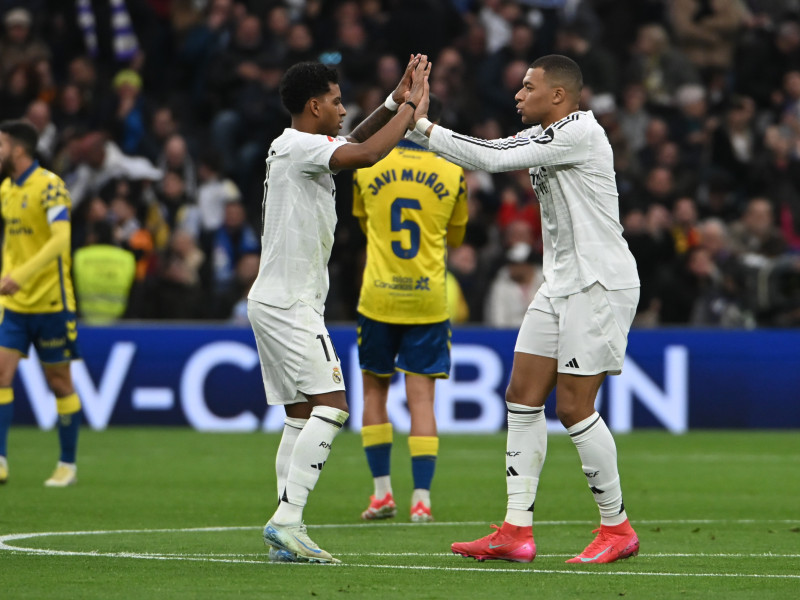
point(379, 459)
point(68, 426)
point(422, 468)
point(6, 414)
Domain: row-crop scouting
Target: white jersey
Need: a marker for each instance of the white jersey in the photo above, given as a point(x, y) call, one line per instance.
point(572, 171)
point(299, 218)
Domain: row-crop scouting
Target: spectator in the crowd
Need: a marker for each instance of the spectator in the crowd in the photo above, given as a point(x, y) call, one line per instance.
point(755, 236)
point(39, 115)
point(659, 188)
point(651, 243)
point(656, 134)
point(685, 233)
point(681, 288)
point(765, 57)
point(175, 158)
point(178, 291)
point(214, 192)
point(128, 233)
point(706, 31)
point(462, 262)
point(633, 116)
point(99, 161)
point(235, 308)
point(234, 77)
point(70, 114)
point(600, 72)
point(300, 45)
point(735, 143)
point(513, 287)
point(658, 67)
point(177, 208)
point(104, 274)
point(163, 125)
point(19, 45)
point(127, 118)
point(231, 241)
point(690, 128)
point(17, 91)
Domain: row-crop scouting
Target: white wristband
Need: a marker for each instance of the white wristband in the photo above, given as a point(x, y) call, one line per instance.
point(422, 125)
point(391, 104)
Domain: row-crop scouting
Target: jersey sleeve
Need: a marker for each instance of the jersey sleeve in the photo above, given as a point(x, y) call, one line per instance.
point(460, 212)
point(56, 201)
point(359, 210)
point(316, 152)
point(559, 144)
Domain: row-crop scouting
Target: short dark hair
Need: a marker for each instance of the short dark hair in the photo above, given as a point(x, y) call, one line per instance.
point(562, 71)
point(23, 133)
point(304, 81)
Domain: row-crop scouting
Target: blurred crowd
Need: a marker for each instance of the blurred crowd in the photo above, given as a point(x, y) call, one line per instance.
point(158, 115)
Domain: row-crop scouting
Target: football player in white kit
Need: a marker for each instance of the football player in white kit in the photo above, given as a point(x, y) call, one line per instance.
point(576, 329)
point(299, 364)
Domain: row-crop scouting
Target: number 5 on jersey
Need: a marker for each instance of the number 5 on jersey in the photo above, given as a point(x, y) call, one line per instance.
point(398, 224)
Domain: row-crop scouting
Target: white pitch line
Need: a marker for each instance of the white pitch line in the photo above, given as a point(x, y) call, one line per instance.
point(233, 558)
point(451, 555)
point(533, 571)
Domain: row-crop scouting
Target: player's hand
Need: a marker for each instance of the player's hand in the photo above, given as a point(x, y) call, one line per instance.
point(400, 93)
point(424, 103)
point(419, 80)
point(8, 286)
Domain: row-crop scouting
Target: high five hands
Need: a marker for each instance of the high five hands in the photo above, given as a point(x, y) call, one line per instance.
point(414, 86)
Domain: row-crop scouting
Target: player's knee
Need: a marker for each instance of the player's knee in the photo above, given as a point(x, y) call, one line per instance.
point(517, 395)
point(570, 412)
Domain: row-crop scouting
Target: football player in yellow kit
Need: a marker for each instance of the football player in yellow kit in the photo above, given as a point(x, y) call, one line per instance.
point(411, 205)
point(37, 301)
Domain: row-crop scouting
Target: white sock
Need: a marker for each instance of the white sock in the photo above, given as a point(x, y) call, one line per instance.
point(598, 454)
point(291, 429)
point(526, 447)
point(421, 495)
point(383, 486)
point(310, 452)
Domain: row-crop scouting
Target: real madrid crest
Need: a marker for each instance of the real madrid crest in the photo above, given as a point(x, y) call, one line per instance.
point(337, 375)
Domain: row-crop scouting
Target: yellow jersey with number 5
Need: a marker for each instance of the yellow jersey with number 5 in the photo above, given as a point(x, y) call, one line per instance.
point(29, 205)
point(408, 200)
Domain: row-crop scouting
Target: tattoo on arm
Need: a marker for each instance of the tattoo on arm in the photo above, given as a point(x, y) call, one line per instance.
point(371, 124)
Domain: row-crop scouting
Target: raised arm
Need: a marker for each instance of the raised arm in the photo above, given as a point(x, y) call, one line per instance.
point(365, 154)
point(551, 147)
point(381, 115)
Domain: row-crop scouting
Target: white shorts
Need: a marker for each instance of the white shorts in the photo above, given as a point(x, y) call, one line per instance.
point(586, 332)
point(296, 353)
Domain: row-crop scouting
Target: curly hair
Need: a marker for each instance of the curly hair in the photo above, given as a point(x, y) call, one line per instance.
point(304, 81)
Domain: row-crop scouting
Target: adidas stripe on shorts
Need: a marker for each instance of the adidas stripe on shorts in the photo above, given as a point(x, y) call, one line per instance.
point(586, 332)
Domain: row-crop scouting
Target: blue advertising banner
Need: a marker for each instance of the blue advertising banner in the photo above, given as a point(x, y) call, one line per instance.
point(208, 377)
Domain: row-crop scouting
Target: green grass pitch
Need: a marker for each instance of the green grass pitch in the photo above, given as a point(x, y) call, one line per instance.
point(172, 513)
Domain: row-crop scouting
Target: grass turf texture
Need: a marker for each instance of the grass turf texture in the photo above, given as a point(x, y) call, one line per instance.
point(717, 515)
